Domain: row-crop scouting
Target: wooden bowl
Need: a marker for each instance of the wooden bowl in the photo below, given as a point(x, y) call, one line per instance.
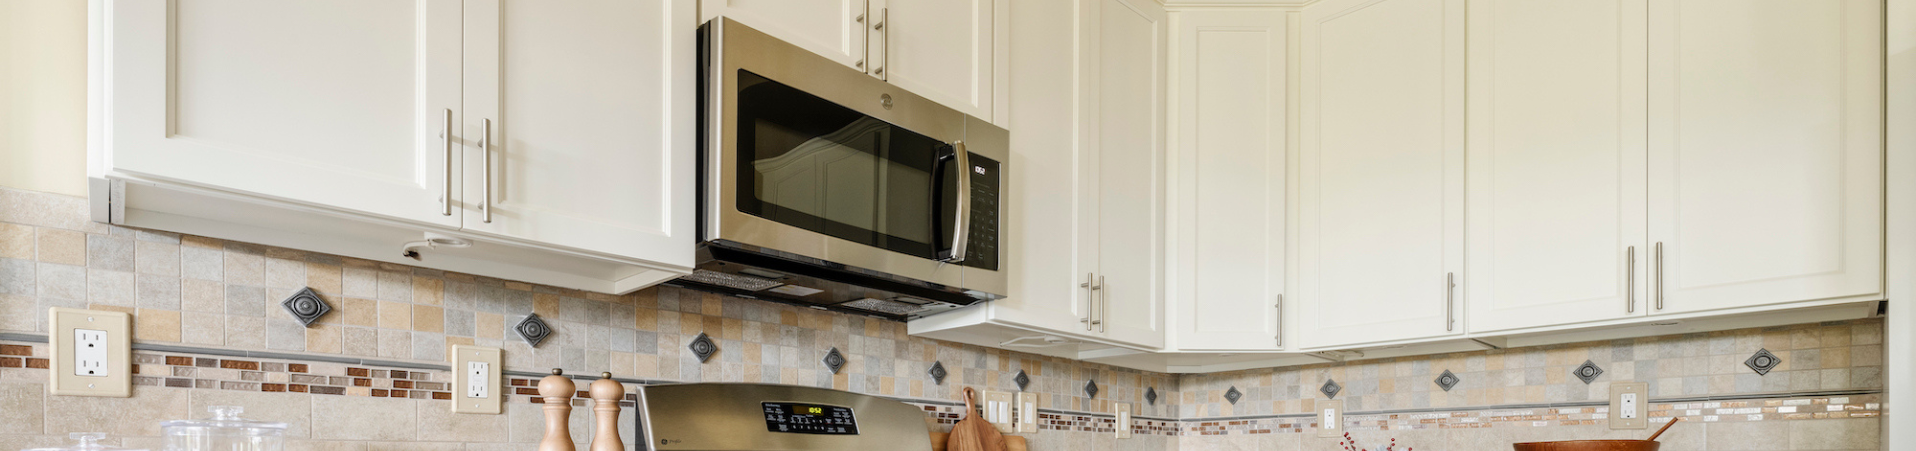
point(1590, 445)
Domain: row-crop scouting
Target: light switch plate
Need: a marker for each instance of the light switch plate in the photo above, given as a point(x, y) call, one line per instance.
point(92, 353)
point(1629, 405)
point(1330, 418)
point(476, 385)
point(1027, 412)
point(1123, 410)
point(998, 411)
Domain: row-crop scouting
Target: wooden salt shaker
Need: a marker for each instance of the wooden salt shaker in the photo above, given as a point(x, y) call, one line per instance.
point(606, 394)
point(557, 390)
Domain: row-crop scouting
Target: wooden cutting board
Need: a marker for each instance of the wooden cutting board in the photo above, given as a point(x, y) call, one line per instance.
point(1012, 442)
point(973, 433)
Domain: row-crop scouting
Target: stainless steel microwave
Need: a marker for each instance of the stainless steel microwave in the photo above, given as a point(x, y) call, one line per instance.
point(823, 186)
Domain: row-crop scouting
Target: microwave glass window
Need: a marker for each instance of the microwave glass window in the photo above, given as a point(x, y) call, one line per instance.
point(812, 164)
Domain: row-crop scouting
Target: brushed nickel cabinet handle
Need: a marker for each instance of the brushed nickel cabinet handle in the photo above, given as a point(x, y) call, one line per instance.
point(1104, 305)
point(1630, 279)
point(1280, 320)
point(1450, 302)
point(445, 193)
point(1659, 267)
point(1090, 299)
point(485, 151)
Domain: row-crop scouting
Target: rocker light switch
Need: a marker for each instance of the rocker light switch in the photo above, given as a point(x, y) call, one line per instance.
point(998, 411)
point(1124, 419)
point(1027, 412)
point(476, 377)
point(1629, 406)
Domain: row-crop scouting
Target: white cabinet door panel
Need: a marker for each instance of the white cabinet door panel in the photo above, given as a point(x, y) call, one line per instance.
point(1129, 137)
point(1051, 213)
point(1229, 130)
point(1557, 162)
point(941, 49)
point(588, 147)
point(1382, 170)
point(833, 28)
point(1766, 151)
point(272, 99)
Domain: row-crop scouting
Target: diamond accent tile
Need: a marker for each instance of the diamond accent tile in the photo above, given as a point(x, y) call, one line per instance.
point(1762, 362)
point(834, 361)
point(1091, 389)
point(938, 373)
point(1022, 380)
point(1330, 388)
point(1587, 372)
point(1447, 380)
point(1233, 395)
point(703, 347)
point(533, 330)
point(1151, 395)
point(306, 306)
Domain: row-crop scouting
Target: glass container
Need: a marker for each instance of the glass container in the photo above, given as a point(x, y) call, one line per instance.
point(225, 431)
point(88, 441)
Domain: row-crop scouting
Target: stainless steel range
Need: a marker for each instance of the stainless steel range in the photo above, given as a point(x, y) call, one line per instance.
point(742, 417)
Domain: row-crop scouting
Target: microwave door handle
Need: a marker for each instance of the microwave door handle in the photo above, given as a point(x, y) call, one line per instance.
point(961, 230)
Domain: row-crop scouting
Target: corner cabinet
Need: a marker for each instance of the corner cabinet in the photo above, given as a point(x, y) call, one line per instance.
point(498, 122)
point(1381, 177)
point(1086, 218)
point(1228, 191)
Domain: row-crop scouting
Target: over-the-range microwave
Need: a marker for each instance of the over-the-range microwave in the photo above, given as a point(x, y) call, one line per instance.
point(822, 186)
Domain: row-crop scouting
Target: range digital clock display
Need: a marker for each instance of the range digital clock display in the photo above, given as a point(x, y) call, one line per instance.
point(797, 418)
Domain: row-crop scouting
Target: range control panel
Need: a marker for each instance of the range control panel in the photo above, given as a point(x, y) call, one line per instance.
point(798, 418)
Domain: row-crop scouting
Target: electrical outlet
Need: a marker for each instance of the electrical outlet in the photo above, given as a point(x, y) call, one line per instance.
point(1629, 405)
point(477, 376)
point(998, 411)
point(92, 353)
point(1027, 412)
point(1330, 418)
point(1123, 410)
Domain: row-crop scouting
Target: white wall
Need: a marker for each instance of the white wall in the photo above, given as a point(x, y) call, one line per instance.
point(43, 95)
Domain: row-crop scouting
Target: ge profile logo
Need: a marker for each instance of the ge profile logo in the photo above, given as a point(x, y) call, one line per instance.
point(668, 442)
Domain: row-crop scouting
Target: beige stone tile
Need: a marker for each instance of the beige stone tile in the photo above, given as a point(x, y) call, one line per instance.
point(244, 269)
point(489, 326)
point(428, 291)
point(395, 286)
point(21, 408)
point(294, 409)
point(283, 273)
point(395, 344)
point(361, 341)
point(202, 328)
point(359, 312)
point(546, 305)
point(204, 296)
point(159, 259)
point(426, 318)
point(245, 332)
point(201, 242)
point(360, 282)
point(64, 247)
point(324, 278)
point(395, 315)
point(324, 338)
point(16, 241)
point(157, 325)
point(438, 423)
point(345, 418)
point(201, 263)
point(138, 415)
point(1745, 435)
point(1834, 434)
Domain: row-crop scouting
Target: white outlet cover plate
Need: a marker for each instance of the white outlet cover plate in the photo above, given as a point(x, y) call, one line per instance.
point(102, 339)
point(1330, 419)
point(466, 359)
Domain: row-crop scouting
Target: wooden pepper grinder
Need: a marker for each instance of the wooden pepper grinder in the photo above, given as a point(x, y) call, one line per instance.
point(606, 394)
point(557, 391)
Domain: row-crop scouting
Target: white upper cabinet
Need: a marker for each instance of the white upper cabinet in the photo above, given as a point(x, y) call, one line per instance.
point(1229, 190)
point(833, 28)
point(1129, 134)
point(1556, 206)
point(587, 148)
point(940, 49)
point(271, 99)
point(1766, 152)
point(1382, 171)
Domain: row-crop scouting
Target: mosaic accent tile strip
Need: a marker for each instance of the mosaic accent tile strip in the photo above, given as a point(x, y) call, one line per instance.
point(1808, 408)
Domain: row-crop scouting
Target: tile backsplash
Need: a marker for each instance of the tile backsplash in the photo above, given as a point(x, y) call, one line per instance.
point(371, 374)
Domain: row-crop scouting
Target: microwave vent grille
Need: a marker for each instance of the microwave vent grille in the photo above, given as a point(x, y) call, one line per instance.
point(734, 281)
point(882, 306)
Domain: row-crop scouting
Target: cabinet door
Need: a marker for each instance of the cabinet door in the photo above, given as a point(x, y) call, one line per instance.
point(1230, 183)
point(1381, 179)
point(1128, 107)
point(271, 99)
point(1556, 143)
point(940, 49)
point(1766, 151)
point(1051, 214)
point(834, 28)
point(588, 147)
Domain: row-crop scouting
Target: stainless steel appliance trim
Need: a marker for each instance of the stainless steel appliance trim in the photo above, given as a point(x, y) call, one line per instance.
point(1630, 279)
point(485, 152)
point(730, 416)
point(961, 231)
point(445, 193)
point(733, 47)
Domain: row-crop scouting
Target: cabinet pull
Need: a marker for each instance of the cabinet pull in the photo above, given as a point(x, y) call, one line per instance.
point(884, 43)
point(1630, 279)
point(1090, 299)
point(445, 193)
point(1104, 306)
point(485, 151)
point(1659, 294)
point(1280, 320)
point(1450, 302)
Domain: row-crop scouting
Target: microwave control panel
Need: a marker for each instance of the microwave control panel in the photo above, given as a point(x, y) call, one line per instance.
point(981, 249)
